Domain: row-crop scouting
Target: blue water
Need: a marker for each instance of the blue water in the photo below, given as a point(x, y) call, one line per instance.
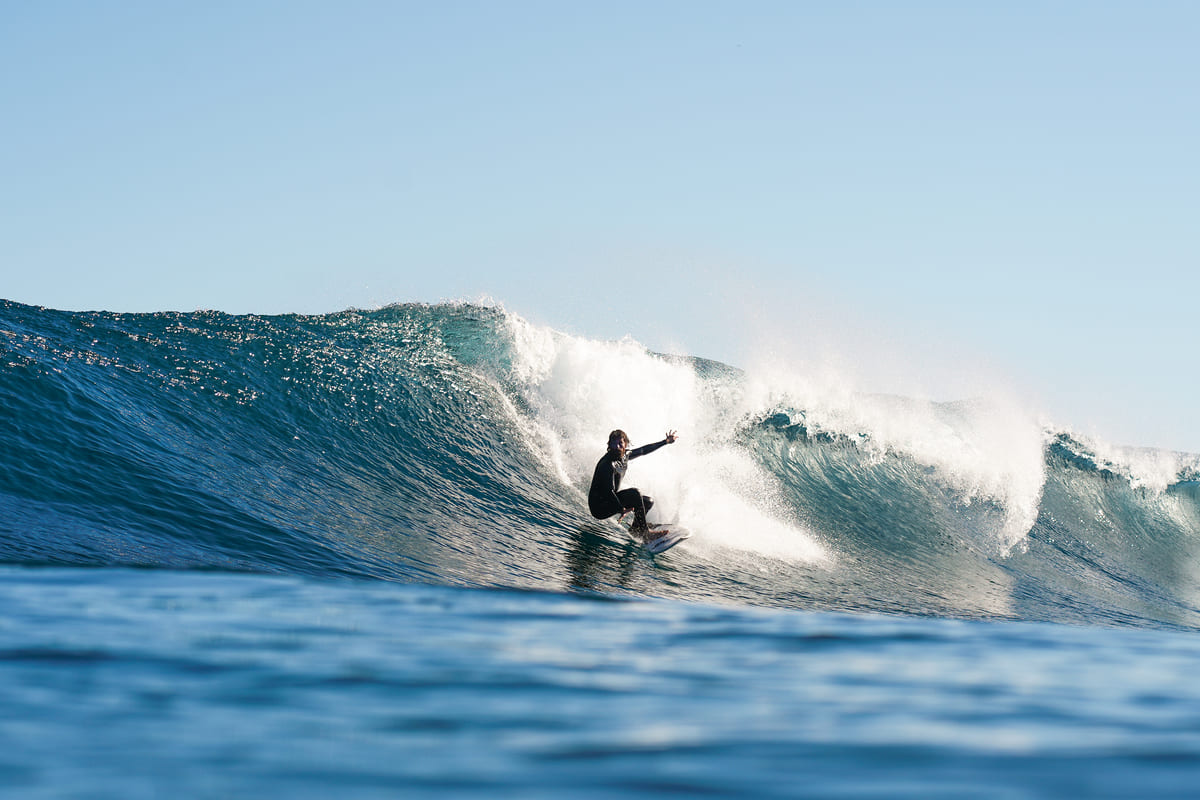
point(349, 554)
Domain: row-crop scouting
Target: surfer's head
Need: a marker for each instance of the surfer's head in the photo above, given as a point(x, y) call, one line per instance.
point(617, 440)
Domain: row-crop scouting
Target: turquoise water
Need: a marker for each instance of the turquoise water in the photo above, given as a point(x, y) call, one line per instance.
point(349, 554)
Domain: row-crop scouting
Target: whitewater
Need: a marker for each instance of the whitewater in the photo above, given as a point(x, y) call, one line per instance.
point(351, 552)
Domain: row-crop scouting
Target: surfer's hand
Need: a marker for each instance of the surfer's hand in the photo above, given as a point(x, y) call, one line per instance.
point(671, 437)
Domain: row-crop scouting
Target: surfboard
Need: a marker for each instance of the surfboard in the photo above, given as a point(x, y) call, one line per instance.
point(673, 536)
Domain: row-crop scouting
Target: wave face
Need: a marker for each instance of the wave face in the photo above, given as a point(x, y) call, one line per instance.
point(452, 445)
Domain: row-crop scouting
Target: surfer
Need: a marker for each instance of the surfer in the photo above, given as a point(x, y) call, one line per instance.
point(606, 497)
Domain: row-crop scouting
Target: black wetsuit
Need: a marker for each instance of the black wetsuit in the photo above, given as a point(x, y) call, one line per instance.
point(606, 497)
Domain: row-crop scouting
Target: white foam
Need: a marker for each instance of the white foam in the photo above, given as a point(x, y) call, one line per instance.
point(984, 450)
point(1146, 468)
point(578, 390)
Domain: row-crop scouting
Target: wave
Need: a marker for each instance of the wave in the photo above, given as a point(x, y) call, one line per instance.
point(452, 444)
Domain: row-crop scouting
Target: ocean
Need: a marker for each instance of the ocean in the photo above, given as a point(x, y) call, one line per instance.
point(350, 554)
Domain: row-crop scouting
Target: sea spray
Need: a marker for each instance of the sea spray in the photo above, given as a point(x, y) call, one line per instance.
point(987, 451)
point(579, 390)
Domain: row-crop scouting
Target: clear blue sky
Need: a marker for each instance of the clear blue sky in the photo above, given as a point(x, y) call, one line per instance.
point(929, 190)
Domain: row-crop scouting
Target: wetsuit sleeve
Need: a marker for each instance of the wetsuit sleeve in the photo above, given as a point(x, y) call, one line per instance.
point(646, 450)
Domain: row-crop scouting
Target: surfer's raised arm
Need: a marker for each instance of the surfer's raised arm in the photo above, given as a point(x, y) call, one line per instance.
point(647, 449)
